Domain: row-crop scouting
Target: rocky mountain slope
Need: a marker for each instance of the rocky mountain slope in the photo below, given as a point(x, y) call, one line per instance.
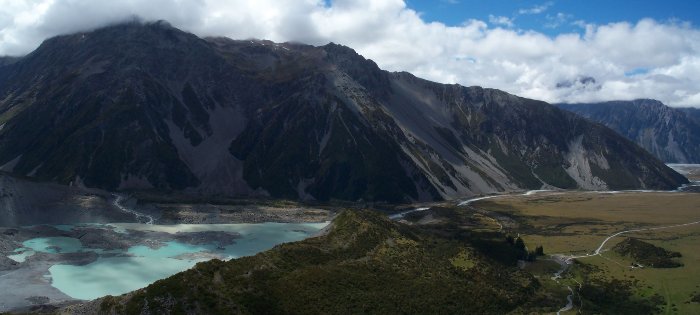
point(24, 202)
point(149, 107)
point(4, 60)
point(692, 112)
point(671, 134)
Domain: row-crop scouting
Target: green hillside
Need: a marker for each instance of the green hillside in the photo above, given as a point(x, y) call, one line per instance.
point(364, 264)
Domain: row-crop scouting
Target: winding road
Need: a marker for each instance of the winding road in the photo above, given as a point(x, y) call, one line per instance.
point(562, 259)
point(599, 250)
point(117, 202)
point(402, 214)
point(565, 260)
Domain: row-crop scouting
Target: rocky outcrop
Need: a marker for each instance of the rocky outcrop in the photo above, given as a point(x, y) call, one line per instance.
point(692, 113)
point(671, 134)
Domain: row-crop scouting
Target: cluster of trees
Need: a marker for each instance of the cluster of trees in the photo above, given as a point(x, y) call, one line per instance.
point(519, 244)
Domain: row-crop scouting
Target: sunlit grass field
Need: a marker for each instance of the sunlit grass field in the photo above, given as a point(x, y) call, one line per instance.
point(577, 222)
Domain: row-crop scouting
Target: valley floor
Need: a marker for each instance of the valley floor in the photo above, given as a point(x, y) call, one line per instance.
point(56, 263)
point(579, 231)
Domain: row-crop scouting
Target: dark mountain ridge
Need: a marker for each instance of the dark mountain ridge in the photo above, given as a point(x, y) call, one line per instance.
point(146, 106)
point(671, 134)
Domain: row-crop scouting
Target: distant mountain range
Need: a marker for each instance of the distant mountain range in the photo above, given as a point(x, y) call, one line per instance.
point(671, 134)
point(692, 112)
point(149, 107)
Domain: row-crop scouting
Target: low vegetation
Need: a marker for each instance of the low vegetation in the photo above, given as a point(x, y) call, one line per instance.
point(695, 298)
point(364, 264)
point(601, 295)
point(491, 257)
point(646, 254)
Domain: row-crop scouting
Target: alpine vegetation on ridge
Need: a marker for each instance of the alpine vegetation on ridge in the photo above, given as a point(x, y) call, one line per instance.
point(365, 263)
point(147, 106)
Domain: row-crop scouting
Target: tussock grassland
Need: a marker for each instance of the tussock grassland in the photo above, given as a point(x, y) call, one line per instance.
point(577, 222)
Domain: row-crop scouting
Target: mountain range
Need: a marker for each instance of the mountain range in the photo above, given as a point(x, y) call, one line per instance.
point(671, 134)
point(145, 106)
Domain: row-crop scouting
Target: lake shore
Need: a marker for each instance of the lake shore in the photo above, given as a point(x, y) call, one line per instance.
point(47, 265)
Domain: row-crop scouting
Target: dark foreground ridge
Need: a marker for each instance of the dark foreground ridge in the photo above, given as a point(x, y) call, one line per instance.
point(364, 264)
point(149, 107)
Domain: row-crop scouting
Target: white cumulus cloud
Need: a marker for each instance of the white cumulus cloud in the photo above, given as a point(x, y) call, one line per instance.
point(633, 59)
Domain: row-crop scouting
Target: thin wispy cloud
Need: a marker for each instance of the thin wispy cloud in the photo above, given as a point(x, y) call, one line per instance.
point(538, 9)
point(557, 20)
point(501, 20)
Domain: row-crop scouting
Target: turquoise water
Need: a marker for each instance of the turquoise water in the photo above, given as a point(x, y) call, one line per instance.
point(140, 265)
point(54, 245)
point(171, 249)
point(114, 275)
point(260, 237)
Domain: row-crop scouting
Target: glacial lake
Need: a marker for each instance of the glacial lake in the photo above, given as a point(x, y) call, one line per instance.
point(117, 271)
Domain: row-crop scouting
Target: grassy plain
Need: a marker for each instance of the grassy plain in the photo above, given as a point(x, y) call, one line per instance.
point(577, 222)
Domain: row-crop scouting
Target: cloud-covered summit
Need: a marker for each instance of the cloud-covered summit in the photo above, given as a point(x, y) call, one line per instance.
point(639, 59)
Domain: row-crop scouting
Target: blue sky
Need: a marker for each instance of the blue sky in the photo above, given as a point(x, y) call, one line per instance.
point(557, 16)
